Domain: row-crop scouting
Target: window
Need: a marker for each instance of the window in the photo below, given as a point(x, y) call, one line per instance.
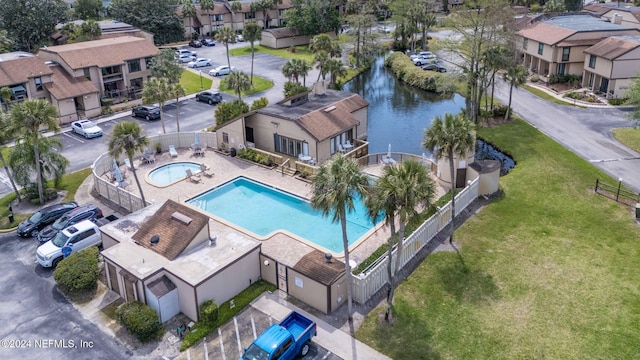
point(219, 17)
point(540, 48)
point(38, 82)
point(340, 139)
point(292, 147)
point(216, 27)
point(225, 138)
point(561, 69)
point(148, 61)
point(111, 70)
point(134, 65)
point(525, 42)
point(250, 15)
point(592, 61)
point(136, 83)
point(565, 53)
point(87, 73)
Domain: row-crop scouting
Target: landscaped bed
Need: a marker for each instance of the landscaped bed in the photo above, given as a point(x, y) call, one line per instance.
point(545, 271)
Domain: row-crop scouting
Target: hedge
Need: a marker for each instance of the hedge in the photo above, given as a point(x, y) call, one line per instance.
point(140, 319)
point(79, 272)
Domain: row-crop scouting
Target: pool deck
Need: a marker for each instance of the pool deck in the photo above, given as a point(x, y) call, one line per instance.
point(279, 247)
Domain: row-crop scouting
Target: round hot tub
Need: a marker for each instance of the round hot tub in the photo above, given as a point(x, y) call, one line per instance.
point(168, 174)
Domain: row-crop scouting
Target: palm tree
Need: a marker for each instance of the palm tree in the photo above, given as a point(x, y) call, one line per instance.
point(226, 35)
point(52, 163)
point(289, 70)
point(6, 134)
point(516, 75)
point(263, 6)
point(320, 59)
point(455, 136)
point(251, 33)
point(323, 42)
point(91, 29)
point(177, 90)
point(235, 7)
point(301, 68)
point(335, 69)
point(157, 90)
point(401, 191)
point(206, 5)
point(239, 82)
point(27, 119)
point(5, 95)
point(127, 138)
point(189, 11)
point(335, 186)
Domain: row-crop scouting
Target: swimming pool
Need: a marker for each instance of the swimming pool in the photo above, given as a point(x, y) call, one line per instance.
point(263, 210)
point(168, 174)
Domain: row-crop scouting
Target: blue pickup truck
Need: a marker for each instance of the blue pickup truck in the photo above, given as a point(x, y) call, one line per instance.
point(284, 341)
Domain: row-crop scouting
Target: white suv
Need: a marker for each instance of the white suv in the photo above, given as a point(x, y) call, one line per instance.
point(74, 238)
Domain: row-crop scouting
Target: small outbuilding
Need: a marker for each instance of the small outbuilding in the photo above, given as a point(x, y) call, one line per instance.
point(281, 38)
point(489, 173)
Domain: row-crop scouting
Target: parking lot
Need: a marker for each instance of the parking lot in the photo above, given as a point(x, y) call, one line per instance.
point(230, 339)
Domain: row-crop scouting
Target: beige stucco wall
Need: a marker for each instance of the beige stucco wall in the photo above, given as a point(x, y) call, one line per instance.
point(338, 293)
point(307, 290)
point(269, 41)
point(627, 65)
point(444, 172)
point(67, 108)
point(108, 240)
point(263, 131)
point(603, 66)
point(268, 272)
point(627, 18)
point(230, 281)
point(361, 129)
point(235, 130)
point(92, 105)
point(200, 237)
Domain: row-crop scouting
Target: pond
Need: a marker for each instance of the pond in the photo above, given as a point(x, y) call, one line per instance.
point(398, 113)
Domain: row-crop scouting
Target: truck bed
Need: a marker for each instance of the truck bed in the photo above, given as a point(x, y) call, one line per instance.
point(296, 324)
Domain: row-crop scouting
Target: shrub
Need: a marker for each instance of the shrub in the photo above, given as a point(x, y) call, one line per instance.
point(79, 272)
point(535, 78)
point(226, 111)
point(616, 102)
point(574, 95)
point(140, 319)
point(259, 103)
point(209, 312)
point(292, 88)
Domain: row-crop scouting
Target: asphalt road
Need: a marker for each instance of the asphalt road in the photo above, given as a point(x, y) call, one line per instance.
point(36, 321)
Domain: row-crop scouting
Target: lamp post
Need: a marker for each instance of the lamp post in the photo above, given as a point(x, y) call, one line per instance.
point(201, 87)
point(619, 185)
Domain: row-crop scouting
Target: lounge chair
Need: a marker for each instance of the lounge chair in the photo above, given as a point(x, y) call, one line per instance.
point(151, 159)
point(172, 151)
point(128, 163)
point(206, 171)
point(340, 148)
point(193, 178)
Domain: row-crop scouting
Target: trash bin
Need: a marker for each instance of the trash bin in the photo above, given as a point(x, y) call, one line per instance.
point(233, 152)
point(638, 211)
point(11, 218)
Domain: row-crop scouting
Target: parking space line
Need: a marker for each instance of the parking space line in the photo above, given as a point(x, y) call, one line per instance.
point(73, 137)
point(188, 355)
point(326, 356)
point(253, 326)
point(206, 352)
point(224, 357)
point(235, 322)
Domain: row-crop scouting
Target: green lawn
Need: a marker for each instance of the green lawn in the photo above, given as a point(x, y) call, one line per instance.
point(628, 136)
point(546, 271)
point(543, 95)
point(259, 84)
point(302, 52)
point(194, 83)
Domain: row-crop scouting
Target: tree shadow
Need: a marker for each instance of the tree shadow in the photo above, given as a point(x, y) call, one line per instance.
point(465, 284)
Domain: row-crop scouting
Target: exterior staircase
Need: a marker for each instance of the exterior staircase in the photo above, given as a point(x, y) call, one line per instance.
point(285, 169)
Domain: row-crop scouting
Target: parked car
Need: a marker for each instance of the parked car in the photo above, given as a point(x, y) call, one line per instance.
point(435, 67)
point(43, 217)
point(199, 63)
point(221, 70)
point(181, 52)
point(239, 38)
point(421, 54)
point(186, 58)
point(195, 43)
point(422, 60)
point(209, 97)
point(146, 112)
point(284, 341)
point(86, 212)
point(76, 237)
point(208, 42)
point(86, 128)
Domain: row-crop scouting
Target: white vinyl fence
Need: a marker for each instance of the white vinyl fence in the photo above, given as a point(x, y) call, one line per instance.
point(127, 200)
point(369, 282)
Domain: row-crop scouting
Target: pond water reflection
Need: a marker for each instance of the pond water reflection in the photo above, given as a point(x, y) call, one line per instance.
point(398, 113)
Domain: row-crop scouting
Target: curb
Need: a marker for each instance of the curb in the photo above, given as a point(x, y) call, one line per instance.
point(4, 231)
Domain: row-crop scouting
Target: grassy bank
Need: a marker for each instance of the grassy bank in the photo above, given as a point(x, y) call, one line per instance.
point(543, 95)
point(542, 273)
point(629, 137)
point(302, 52)
point(194, 83)
point(259, 84)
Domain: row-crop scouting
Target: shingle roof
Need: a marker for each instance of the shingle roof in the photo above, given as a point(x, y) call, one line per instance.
point(64, 86)
point(315, 266)
point(20, 70)
point(545, 33)
point(596, 8)
point(161, 286)
point(174, 235)
point(281, 33)
point(614, 47)
point(104, 52)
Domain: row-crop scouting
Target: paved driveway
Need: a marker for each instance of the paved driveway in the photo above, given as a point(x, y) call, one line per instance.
point(36, 321)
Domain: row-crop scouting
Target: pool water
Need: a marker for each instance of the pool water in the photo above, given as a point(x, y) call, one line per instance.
point(262, 210)
point(170, 173)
